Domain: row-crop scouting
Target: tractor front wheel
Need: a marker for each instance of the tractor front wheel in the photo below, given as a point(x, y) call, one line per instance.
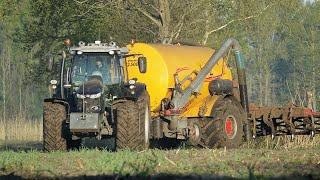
point(133, 123)
point(54, 127)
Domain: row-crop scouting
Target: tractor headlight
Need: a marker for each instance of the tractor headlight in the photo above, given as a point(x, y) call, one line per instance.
point(95, 108)
point(131, 86)
point(53, 82)
point(81, 96)
point(94, 96)
point(132, 82)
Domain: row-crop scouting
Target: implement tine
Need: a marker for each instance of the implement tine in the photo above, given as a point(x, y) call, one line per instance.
point(290, 120)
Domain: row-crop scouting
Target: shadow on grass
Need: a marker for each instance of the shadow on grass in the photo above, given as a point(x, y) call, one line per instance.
point(89, 143)
point(21, 146)
point(159, 177)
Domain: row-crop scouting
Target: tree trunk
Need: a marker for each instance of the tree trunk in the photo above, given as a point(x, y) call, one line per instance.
point(267, 88)
point(4, 70)
point(207, 31)
point(164, 29)
point(313, 89)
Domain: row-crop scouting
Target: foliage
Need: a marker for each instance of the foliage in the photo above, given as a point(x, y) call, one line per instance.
point(280, 40)
point(19, 97)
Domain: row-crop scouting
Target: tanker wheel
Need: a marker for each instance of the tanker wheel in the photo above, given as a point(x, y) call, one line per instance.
point(226, 127)
point(132, 123)
point(54, 127)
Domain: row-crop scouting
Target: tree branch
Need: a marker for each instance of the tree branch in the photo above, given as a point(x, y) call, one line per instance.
point(240, 19)
point(179, 27)
point(96, 5)
point(147, 14)
point(179, 30)
point(81, 2)
point(152, 6)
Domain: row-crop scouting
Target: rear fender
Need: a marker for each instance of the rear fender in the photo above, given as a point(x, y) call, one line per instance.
point(140, 88)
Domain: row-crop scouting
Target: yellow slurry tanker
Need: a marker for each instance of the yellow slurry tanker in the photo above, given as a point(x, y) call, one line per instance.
point(170, 66)
point(146, 92)
point(184, 88)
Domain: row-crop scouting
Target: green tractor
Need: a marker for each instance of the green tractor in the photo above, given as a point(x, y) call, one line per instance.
point(94, 98)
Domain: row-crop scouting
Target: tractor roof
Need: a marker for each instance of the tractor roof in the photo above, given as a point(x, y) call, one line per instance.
point(98, 47)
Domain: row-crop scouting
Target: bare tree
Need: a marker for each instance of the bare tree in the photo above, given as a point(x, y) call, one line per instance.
point(171, 17)
point(213, 24)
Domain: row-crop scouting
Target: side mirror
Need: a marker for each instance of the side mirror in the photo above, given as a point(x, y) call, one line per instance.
point(142, 63)
point(50, 63)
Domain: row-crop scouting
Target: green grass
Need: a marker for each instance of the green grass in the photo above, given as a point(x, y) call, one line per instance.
point(263, 158)
point(239, 163)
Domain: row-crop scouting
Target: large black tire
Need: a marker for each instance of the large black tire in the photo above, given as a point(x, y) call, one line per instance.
point(133, 123)
point(226, 127)
point(54, 127)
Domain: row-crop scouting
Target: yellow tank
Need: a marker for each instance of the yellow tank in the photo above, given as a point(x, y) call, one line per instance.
point(163, 61)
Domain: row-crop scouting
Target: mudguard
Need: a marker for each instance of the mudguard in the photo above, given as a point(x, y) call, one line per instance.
point(59, 101)
point(132, 94)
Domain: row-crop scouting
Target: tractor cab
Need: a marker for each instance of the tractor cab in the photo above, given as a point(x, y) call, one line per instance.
point(97, 61)
point(95, 69)
point(101, 66)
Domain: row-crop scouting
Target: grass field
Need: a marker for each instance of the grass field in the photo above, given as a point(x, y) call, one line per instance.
point(264, 158)
point(237, 163)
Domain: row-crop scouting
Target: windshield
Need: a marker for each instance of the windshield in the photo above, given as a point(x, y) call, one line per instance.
point(102, 65)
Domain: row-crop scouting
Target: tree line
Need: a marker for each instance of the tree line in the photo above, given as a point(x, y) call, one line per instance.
point(280, 40)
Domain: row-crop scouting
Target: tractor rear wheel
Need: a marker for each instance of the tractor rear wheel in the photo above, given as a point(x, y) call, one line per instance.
point(54, 127)
point(226, 127)
point(133, 123)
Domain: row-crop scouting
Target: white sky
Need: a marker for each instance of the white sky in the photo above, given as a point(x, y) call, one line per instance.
point(309, 1)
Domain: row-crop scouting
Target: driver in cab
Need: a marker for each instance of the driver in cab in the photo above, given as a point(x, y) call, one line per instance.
point(98, 69)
